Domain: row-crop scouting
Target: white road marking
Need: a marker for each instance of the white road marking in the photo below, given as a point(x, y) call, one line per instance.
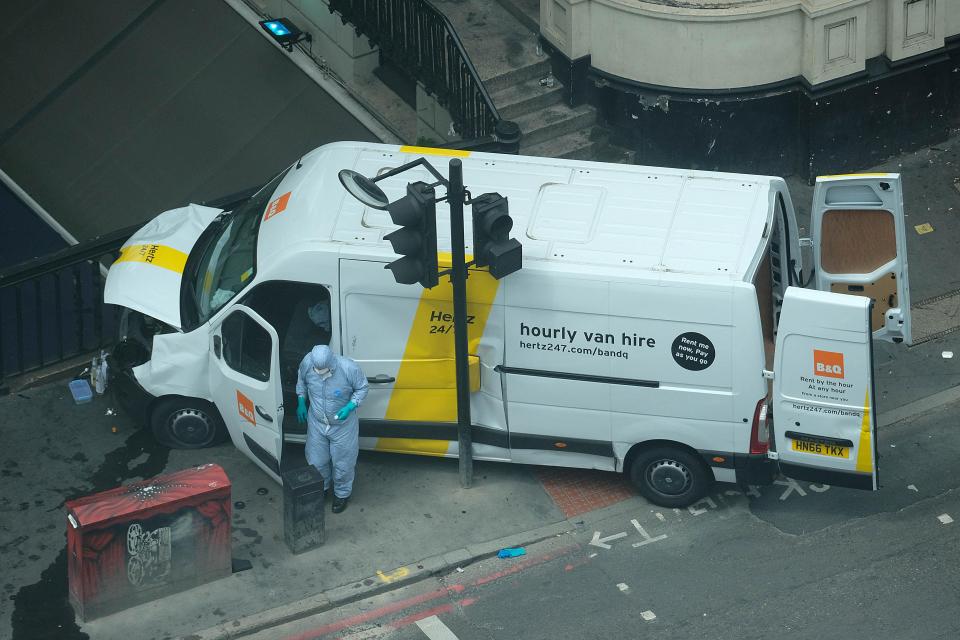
point(434, 629)
point(647, 538)
point(791, 486)
point(623, 587)
point(602, 542)
point(694, 511)
point(649, 615)
point(944, 518)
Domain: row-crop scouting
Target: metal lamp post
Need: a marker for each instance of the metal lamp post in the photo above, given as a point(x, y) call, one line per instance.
point(367, 192)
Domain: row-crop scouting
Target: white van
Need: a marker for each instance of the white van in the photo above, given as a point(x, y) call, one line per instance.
point(657, 323)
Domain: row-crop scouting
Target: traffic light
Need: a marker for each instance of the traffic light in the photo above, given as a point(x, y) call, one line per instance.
point(492, 244)
point(416, 239)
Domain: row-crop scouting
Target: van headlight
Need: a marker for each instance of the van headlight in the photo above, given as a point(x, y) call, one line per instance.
point(135, 333)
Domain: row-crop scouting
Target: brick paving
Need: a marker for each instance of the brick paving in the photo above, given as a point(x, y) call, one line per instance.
point(577, 491)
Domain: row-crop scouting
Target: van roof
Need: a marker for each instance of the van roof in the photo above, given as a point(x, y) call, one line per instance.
point(571, 213)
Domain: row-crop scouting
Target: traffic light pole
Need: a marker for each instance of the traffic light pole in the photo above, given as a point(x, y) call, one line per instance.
point(458, 277)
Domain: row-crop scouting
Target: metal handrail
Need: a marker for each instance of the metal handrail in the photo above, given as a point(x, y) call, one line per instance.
point(421, 39)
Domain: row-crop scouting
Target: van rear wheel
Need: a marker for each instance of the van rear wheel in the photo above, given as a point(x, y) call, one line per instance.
point(187, 423)
point(670, 477)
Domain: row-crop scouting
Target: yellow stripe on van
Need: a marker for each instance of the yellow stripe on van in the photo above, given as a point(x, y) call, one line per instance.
point(425, 390)
point(413, 445)
point(864, 458)
point(156, 254)
point(854, 175)
point(433, 151)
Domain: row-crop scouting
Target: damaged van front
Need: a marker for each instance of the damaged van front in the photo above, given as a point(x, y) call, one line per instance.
point(171, 277)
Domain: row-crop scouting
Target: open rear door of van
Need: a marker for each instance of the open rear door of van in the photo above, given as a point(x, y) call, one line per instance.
point(860, 246)
point(823, 397)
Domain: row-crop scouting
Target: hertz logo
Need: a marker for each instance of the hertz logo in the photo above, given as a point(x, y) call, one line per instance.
point(827, 364)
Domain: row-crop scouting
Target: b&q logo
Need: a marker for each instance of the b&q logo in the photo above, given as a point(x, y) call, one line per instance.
point(277, 206)
point(827, 364)
point(245, 408)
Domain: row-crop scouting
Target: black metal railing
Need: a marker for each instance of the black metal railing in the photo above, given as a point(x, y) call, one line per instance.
point(52, 309)
point(417, 37)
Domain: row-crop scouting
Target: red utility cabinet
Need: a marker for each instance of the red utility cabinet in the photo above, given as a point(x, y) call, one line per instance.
point(148, 539)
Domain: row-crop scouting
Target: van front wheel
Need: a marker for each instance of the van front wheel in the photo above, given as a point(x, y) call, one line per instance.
point(669, 477)
point(187, 423)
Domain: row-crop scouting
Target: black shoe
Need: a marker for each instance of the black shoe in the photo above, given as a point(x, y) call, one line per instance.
point(339, 504)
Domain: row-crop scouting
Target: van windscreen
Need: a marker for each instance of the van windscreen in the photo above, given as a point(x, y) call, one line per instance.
point(227, 263)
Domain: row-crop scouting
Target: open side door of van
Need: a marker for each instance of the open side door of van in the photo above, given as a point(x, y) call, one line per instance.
point(860, 246)
point(823, 397)
point(245, 384)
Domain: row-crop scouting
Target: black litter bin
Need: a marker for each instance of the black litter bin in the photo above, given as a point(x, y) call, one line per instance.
point(303, 502)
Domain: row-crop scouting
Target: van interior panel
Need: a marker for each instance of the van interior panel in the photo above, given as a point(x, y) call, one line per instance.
point(764, 287)
point(883, 292)
point(857, 241)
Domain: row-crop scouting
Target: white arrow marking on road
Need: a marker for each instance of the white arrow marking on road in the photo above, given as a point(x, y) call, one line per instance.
point(602, 542)
point(434, 629)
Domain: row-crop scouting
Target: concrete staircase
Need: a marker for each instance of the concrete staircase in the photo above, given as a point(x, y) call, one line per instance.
point(502, 44)
point(550, 128)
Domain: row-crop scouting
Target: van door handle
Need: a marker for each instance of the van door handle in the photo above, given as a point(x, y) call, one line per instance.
point(263, 415)
point(216, 346)
point(381, 378)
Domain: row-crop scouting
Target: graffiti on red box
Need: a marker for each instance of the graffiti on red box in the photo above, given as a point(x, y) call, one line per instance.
point(149, 539)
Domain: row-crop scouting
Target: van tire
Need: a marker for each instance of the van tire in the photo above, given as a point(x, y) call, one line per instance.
point(670, 477)
point(187, 423)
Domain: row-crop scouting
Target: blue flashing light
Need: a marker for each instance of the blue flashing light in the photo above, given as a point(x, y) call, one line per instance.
point(277, 28)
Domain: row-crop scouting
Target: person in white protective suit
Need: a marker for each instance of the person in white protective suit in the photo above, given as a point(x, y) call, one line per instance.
point(335, 386)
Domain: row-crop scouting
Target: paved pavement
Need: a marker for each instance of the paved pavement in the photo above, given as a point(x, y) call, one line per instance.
point(793, 560)
point(405, 510)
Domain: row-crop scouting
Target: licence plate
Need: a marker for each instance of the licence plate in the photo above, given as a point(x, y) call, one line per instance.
point(830, 450)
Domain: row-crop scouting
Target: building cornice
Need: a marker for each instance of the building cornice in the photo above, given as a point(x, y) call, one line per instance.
point(722, 11)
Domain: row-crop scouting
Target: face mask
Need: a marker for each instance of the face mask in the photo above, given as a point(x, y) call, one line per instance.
point(323, 373)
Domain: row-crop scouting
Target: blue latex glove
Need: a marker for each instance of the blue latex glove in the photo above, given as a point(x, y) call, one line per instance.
point(347, 408)
point(301, 410)
point(511, 552)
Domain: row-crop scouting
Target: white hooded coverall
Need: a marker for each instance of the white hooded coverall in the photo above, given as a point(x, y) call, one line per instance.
point(328, 439)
